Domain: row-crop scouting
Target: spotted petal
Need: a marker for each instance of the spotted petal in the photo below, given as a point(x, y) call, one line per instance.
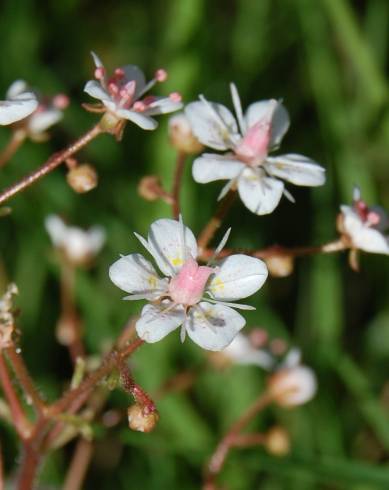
point(260, 194)
point(213, 327)
point(154, 324)
point(297, 169)
point(135, 275)
point(210, 167)
point(238, 276)
point(170, 242)
point(280, 119)
point(212, 124)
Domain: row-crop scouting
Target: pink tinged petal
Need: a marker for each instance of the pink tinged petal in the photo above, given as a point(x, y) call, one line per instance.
point(94, 89)
point(18, 108)
point(218, 131)
point(134, 274)
point(171, 244)
point(141, 120)
point(362, 236)
point(259, 194)
point(16, 88)
point(297, 169)
point(163, 105)
point(158, 321)
point(210, 167)
point(238, 276)
point(187, 287)
point(279, 121)
point(41, 121)
point(133, 73)
point(213, 327)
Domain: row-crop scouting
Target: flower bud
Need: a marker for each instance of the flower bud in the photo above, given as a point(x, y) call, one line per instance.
point(82, 178)
point(280, 265)
point(181, 136)
point(141, 419)
point(66, 329)
point(294, 386)
point(277, 441)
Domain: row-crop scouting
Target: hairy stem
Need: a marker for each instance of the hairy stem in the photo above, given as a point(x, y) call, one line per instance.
point(179, 171)
point(215, 222)
point(53, 162)
point(17, 138)
point(24, 379)
point(218, 458)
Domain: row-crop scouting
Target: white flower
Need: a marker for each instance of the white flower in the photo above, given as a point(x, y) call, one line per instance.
point(241, 351)
point(197, 298)
point(78, 245)
point(293, 386)
point(364, 226)
point(19, 104)
point(122, 93)
point(46, 113)
point(247, 140)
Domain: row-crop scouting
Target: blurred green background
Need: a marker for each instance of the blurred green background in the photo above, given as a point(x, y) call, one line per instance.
point(327, 59)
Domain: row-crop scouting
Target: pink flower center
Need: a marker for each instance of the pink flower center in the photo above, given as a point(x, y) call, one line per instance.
point(187, 287)
point(255, 145)
point(369, 217)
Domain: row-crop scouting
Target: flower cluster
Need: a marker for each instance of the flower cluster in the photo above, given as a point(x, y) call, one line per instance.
point(199, 298)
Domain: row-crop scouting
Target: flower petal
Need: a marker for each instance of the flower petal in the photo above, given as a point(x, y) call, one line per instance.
point(97, 61)
point(133, 72)
point(210, 167)
point(140, 119)
point(280, 120)
point(241, 351)
point(41, 121)
point(94, 89)
point(238, 276)
point(297, 169)
point(154, 325)
point(56, 228)
point(18, 108)
point(134, 274)
point(166, 239)
point(214, 130)
point(163, 105)
point(362, 236)
point(213, 327)
point(259, 194)
point(16, 88)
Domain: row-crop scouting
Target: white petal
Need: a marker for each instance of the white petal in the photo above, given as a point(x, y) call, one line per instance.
point(140, 119)
point(97, 61)
point(133, 72)
point(297, 169)
point(210, 167)
point(94, 89)
point(241, 351)
point(41, 121)
point(163, 105)
point(260, 194)
point(208, 128)
point(154, 325)
point(18, 108)
point(213, 327)
point(238, 276)
point(166, 245)
point(96, 238)
point(134, 274)
point(56, 228)
point(16, 88)
point(361, 235)
point(280, 120)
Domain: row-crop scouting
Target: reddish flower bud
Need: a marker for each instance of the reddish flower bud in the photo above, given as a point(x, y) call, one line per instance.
point(82, 178)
